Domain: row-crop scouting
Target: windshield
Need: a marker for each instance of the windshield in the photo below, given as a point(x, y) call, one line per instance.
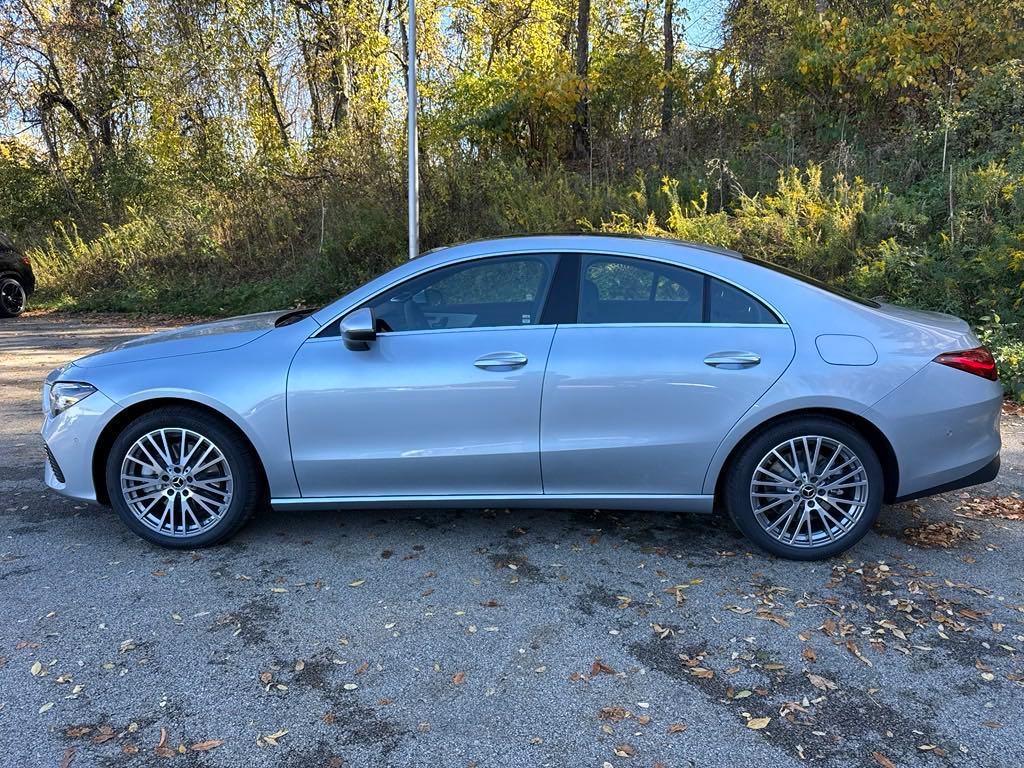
point(812, 281)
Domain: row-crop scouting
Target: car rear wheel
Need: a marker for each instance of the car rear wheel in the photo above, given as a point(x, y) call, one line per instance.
point(12, 297)
point(805, 489)
point(181, 479)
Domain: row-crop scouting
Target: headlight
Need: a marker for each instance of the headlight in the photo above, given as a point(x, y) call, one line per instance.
point(64, 394)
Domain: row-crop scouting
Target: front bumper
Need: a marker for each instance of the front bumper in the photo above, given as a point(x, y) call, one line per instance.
point(70, 439)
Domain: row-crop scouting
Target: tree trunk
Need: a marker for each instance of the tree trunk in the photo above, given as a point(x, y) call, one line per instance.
point(275, 107)
point(667, 92)
point(581, 126)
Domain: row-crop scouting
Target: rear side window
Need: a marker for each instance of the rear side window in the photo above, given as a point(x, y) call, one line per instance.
point(622, 290)
point(627, 290)
point(728, 304)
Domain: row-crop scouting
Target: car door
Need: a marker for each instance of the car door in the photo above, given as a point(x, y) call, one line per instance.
point(660, 364)
point(446, 399)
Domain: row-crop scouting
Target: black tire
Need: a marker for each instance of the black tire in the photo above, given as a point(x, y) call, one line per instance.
point(13, 296)
point(248, 491)
point(736, 486)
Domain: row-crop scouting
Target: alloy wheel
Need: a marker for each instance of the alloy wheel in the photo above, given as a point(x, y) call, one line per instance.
point(176, 482)
point(809, 491)
point(12, 296)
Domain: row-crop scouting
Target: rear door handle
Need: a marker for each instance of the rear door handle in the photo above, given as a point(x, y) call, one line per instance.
point(501, 361)
point(732, 360)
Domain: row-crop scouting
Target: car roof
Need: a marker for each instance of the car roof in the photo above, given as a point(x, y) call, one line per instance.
point(580, 240)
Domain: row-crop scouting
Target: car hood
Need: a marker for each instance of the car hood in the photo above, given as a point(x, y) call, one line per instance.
point(189, 340)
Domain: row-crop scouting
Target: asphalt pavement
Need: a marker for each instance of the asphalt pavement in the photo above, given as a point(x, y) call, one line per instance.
point(495, 637)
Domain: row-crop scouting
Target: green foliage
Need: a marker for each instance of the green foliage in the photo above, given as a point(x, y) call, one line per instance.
point(804, 223)
point(218, 158)
point(1006, 341)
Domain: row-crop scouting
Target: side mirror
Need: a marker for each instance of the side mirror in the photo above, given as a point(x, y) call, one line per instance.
point(358, 329)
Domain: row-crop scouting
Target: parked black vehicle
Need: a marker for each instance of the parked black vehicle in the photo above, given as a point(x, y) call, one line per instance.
point(17, 282)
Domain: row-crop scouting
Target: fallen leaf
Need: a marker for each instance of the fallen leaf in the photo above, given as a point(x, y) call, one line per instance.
point(599, 668)
point(757, 723)
point(161, 749)
point(206, 746)
point(822, 683)
point(69, 756)
point(458, 678)
point(882, 760)
point(615, 714)
point(944, 535)
point(625, 750)
point(676, 728)
point(357, 583)
point(273, 738)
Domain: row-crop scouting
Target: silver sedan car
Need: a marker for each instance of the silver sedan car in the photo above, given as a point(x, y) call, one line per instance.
point(549, 371)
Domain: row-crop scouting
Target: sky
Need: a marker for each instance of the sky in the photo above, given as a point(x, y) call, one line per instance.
point(704, 28)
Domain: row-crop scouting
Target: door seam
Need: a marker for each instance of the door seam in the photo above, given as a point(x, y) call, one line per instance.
point(540, 409)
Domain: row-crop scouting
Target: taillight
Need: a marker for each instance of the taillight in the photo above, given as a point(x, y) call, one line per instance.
point(25, 261)
point(978, 361)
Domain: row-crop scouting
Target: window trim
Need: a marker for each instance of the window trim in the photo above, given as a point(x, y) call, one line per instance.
point(559, 253)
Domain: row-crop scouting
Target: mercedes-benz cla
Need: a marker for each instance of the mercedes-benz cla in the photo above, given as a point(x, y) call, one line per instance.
point(549, 371)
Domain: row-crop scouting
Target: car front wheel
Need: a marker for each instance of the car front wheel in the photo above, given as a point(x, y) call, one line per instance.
point(181, 479)
point(805, 489)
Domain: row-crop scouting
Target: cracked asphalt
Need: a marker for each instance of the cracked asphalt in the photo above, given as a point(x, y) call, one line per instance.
point(493, 637)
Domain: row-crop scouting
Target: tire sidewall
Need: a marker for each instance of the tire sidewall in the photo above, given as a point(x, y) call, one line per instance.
point(737, 485)
point(237, 454)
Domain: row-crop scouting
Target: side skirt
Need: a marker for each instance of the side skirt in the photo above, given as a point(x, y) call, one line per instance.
point(656, 503)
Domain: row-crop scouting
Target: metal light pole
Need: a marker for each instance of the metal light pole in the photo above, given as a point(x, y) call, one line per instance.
point(414, 174)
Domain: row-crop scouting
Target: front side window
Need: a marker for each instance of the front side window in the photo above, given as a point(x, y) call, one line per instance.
point(490, 293)
point(623, 290)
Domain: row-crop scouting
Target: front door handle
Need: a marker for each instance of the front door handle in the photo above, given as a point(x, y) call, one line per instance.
point(732, 360)
point(501, 361)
